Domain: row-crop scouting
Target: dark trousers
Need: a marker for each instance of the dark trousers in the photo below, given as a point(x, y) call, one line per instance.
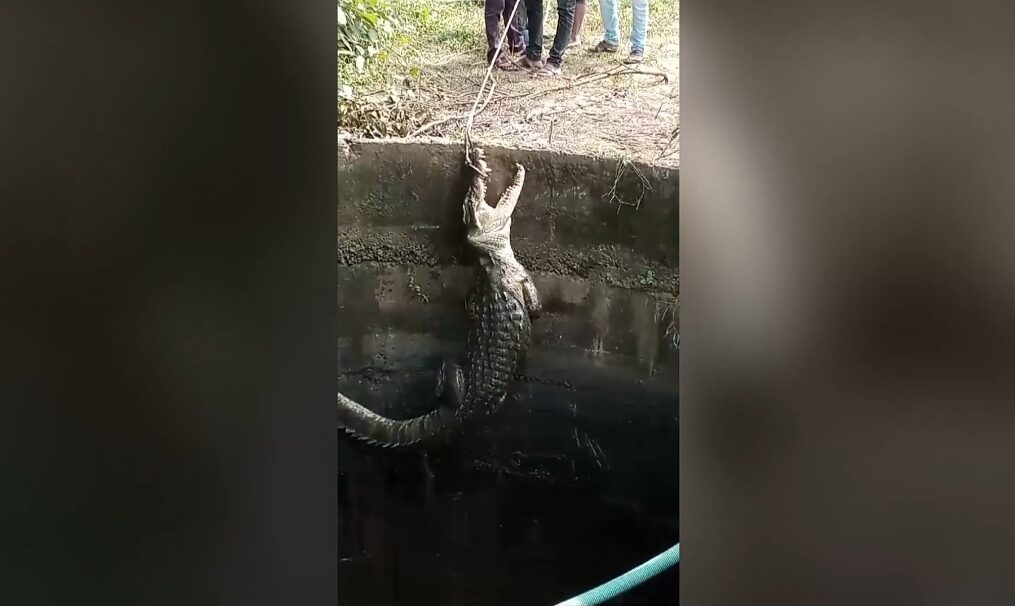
point(565, 18)
point(497, 10)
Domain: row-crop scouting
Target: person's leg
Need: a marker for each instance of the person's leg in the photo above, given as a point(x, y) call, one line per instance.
point(565, 18)
point(611, 26)
point(639, 30)
point(493, 11)
point(579, 16)
point(534, 50)
point(522, 23)
point(515, 42)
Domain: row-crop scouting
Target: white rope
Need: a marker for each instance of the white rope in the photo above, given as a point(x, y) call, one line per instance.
point(482, 87)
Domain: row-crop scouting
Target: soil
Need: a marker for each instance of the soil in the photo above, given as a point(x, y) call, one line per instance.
point(595, 107)
point(625, 115)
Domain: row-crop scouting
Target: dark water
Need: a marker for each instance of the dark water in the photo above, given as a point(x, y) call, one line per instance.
point(564, 491)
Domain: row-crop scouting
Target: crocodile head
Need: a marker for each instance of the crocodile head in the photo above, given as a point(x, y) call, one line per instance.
point(489, 227)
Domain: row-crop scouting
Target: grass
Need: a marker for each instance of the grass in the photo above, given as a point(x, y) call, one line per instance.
point(430, 30)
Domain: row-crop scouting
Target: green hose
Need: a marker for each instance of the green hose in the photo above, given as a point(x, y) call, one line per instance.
point(631, 578)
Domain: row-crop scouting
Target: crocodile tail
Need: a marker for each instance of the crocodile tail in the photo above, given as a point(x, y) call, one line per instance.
point(364, 424)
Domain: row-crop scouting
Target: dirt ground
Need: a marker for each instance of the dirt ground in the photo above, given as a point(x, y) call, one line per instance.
point(596, 106)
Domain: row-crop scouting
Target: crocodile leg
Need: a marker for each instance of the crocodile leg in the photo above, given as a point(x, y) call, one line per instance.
point(531, 298)
point(450, 385)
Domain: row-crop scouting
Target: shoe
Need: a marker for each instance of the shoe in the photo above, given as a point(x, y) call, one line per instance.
point(636, 56)
point(576, 42)
point(604, 47)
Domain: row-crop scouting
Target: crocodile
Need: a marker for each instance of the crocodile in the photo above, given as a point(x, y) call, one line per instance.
point(500, 307)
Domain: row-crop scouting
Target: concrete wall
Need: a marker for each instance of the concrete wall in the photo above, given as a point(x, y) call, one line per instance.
point(607, 272)
point(590, 431)
point(402, 203)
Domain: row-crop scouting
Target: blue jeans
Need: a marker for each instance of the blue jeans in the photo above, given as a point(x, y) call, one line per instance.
point(611, 23)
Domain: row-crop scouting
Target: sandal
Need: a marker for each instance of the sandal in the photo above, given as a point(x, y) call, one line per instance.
point(549, 70)
point(605, 47)
point(505, 64)
point(530, 63)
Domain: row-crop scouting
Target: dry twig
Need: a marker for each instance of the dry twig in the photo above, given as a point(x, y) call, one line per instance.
point(465, 115)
